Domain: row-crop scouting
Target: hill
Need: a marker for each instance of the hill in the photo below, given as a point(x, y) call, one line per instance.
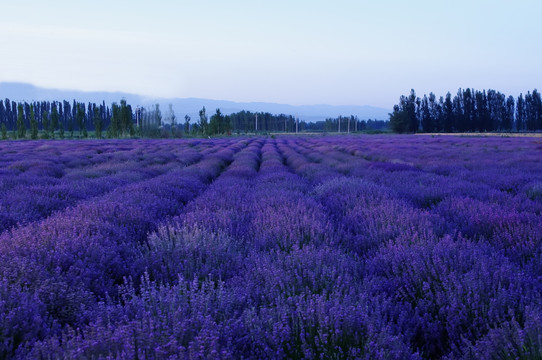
point(190, 106)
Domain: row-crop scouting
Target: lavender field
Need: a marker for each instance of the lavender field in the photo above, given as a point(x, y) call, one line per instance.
point(371, 247)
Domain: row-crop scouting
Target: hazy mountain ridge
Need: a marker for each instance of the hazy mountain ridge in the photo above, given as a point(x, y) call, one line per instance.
point(191, 106)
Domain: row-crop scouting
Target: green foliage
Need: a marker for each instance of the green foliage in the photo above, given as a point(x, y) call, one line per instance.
point(97, 120)
point(54, 119)
point(45, 123)
point(4, 132)
point(113, 129)
point(203, 121)
point(187, 124)
point(80, 117)
point(70, 126)
point(125, 120)
point(171, 120)
point(473, 111)
point(157, 115)
point(33, 124)
point(21, 128)
point(399, 121)
point(219, 124)
point(409, 105)
point(404, 117)
point(149, 121)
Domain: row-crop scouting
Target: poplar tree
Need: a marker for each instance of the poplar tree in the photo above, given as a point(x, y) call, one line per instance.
point(61, 131)
point(21, 129)
point(89, 119)
point(70, 126)
point(2, 112)
point(130, 118)
point(427, 121)
point(115, 126)
point(537, 104)
point(400, 121)
point(508, 119)
point(216, 123)
point(170, 116)
point(187, 124)
point(203, 121)
point(520, 113)
point(54, 119)
point(33, 123)
point(125, 121)
point(530, 113)
point(157, 116)
point(45, 123)
point(80, 117)
point(97, 119)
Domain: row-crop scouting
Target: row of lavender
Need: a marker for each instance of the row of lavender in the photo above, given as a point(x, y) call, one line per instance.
point(55, 269)
point(460, 221)
point(350, 247)
point(37, 180)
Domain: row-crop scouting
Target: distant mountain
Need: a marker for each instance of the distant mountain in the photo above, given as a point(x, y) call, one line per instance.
point(190, 106)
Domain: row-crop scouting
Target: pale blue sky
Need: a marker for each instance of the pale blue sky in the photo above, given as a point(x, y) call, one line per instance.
point(297, 52)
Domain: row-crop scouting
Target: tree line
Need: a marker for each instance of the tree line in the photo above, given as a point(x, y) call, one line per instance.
point(348, 124)
point(245, 121)
point(65, 119)
point(468, 111)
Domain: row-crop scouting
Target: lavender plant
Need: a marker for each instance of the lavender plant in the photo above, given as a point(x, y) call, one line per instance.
point(366, 247)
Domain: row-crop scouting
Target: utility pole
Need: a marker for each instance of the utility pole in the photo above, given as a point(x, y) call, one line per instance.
point(348, 126)
point(296, 123)
point(339, 121)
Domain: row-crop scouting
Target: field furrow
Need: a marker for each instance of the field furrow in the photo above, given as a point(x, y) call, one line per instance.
point(79, 255)
point(40, 186)
point(372, 247)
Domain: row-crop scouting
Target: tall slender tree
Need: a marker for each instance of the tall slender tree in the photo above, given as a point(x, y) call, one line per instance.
point(4, 118)
point(33, 123)
point(520, 113)
point(45, 124)
point(203, 121)
point(508, 119)
point(21, 128)
point(89, 120)
point(97, 122)
point(7, 112)
point(400, 121)
point(54, 119)
point(537, 104)
point(426, 118)
point(216, 124)
point(126, 122)
point(113, 129)
point(68, 119)
point(448, 113)
point(530, 112)
point(157, 116)
point(187, 124)
point(80, 117)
